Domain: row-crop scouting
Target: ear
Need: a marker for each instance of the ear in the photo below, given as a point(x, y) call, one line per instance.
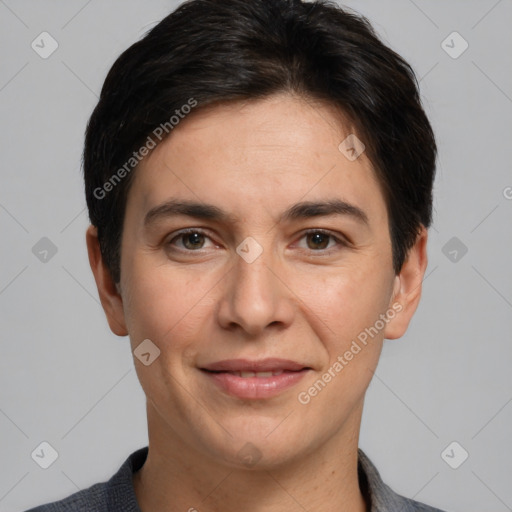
point(407, 287)
point(110, 297)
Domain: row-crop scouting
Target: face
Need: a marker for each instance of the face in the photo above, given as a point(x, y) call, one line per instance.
point(290, 260)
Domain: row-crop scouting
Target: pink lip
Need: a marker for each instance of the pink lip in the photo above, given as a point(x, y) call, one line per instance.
point(255, 387)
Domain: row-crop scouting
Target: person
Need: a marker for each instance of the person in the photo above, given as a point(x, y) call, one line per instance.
point(259, 183)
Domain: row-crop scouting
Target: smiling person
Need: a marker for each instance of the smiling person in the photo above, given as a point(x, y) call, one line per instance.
point(259, 182)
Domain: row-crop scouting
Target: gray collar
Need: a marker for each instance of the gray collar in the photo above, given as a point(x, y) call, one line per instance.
point(380, 496)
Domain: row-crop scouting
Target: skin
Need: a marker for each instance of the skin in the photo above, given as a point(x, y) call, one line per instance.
point(296, 301)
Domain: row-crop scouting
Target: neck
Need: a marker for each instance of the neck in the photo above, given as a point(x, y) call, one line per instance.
point(175, 478)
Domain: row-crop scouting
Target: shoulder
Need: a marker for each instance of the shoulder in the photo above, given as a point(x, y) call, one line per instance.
point(409, 505)
point(117, 494)
point(92, 498)
point(381, 496)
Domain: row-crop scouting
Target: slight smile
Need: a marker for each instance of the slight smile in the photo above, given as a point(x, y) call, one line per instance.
point(255, 379)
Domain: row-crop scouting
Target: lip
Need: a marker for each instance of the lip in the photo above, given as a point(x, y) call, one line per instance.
point(222, 374)
point(260, 365)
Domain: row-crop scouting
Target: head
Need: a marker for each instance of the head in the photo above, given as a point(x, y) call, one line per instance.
point(247, 109)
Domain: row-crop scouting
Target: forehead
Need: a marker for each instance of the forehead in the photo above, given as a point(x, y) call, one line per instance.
point(253, 155)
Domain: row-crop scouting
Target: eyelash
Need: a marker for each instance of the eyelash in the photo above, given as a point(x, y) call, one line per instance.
point(339, 242)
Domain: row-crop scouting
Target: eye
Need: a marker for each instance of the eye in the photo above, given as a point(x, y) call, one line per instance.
point(192, 239)
point(317, 240)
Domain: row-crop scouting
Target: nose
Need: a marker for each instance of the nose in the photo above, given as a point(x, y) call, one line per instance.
point(256, 296)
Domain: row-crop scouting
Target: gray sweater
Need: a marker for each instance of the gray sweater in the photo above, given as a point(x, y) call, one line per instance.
point(118, 495)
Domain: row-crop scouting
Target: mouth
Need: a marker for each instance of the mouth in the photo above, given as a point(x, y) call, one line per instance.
point(255, 379)
point(247, 374)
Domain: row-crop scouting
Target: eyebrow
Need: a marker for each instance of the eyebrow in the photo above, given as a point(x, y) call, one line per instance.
point(302, 210)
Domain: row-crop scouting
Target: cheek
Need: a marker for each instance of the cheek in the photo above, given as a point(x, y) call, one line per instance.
point(169, 309)
point(347, 300)
point(348, 305)
point(166, 306)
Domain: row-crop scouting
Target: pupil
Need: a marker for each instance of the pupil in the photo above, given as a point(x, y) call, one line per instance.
point(194, 238)
point(317, 239)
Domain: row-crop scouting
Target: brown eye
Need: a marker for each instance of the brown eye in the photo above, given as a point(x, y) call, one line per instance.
point(191, 240)
point(322, 242)
point(318, 240)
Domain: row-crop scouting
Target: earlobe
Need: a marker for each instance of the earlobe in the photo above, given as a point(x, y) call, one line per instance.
point(109, 292)
point(407, 287)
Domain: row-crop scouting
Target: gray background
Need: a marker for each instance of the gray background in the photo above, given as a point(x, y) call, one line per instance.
point(66, 379)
